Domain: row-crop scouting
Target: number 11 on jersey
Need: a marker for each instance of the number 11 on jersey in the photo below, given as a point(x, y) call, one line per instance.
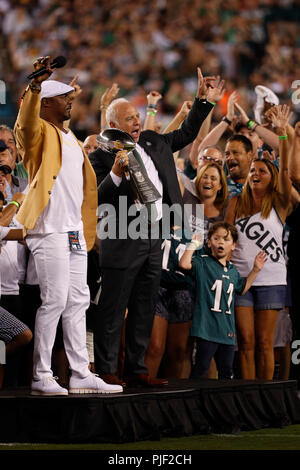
point(218, 287)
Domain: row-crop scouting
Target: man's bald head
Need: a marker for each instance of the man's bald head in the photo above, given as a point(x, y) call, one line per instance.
point(90, 144)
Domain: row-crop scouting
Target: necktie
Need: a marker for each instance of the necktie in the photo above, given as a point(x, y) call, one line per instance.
point(150, 206)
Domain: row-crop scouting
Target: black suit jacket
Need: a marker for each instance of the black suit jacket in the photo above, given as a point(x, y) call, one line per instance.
point(118, 252)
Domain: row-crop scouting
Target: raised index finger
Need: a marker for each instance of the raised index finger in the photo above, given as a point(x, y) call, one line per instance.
point(73, 81)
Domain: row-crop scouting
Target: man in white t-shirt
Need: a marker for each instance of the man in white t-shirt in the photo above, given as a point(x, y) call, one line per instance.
point(59, 215)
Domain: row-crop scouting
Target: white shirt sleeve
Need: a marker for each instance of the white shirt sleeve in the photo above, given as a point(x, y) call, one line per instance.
point(116, 179)
point(4, 231)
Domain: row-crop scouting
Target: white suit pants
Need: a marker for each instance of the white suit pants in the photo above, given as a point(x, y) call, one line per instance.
point(62, 276)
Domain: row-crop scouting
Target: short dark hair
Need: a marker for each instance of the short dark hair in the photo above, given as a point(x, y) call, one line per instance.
point(239, 126)
point(243, 139)
point(226, 226)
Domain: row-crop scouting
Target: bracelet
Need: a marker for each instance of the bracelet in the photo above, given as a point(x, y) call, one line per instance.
point(151, 112)
point(225, 119)
point(212, 102)
point(152, 106)
point(15, 203)
point(250, 125)
point(282, 137)
point(196, 243)
point(35, 87)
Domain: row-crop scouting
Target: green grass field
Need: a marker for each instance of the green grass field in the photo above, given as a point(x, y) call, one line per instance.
point(287, 438)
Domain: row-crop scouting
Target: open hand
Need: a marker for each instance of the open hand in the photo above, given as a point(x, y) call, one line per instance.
point(215, 90)
point(233, 98)
point(280, 116)
point(196, 242)
point(244, 116)
point(260, 260)
point(269, 155)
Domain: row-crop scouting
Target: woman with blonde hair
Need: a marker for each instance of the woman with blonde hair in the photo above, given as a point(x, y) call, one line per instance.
point(212, 191)
point(259, 215)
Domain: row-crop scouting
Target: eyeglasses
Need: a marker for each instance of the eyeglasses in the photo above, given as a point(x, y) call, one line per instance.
point(219, 161)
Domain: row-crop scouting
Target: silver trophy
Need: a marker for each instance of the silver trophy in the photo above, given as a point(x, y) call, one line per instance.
point(113, 140)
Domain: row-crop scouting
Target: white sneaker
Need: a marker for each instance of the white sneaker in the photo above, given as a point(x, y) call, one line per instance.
point(92, 384)
point(47, 387)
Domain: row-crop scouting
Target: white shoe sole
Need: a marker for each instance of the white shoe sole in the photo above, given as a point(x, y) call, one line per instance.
point(47, 394)
point(92, 390)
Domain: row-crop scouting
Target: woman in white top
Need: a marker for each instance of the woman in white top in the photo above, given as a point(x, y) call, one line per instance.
point(259, 214)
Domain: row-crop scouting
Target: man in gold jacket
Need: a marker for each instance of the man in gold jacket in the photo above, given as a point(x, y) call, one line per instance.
point(59, 216)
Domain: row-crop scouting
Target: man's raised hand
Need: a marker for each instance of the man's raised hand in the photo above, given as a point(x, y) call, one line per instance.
point(42, 63)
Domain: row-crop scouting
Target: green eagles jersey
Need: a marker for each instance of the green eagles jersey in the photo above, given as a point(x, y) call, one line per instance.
point(171, 276)
point(216, 285)
point(190, 171)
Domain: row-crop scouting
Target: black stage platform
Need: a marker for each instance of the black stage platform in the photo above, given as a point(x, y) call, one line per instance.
point(182, 408)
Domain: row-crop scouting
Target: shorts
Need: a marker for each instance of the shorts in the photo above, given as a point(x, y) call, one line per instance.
point(175, 306)
point(263, 298)
point(10, 326)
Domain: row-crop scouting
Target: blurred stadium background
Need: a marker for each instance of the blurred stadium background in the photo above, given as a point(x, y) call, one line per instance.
point(157, 45)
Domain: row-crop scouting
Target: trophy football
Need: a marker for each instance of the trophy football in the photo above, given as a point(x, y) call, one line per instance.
point(113, 140)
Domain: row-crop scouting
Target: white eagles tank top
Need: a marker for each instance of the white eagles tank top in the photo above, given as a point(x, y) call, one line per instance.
point(255, 234)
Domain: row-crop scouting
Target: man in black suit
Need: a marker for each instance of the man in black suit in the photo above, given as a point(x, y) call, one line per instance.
point(131, 267)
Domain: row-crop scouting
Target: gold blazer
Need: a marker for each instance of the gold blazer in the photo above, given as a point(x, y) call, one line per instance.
point(40, 145)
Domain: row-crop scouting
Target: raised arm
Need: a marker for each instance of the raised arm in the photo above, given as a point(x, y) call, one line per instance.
point(265, 134)
point(105, 100)
point(179, 118)
point(289, 129)
point(186, 259)
point(294, 161)
point(152, 99)
point(216, 133)
point(203, 132)
point(274, 113)
point(283, 116)
point(28, 127)
point(198, 113)
point(280, 121)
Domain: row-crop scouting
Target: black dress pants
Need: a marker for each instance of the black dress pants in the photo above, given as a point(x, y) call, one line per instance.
point(134, 288)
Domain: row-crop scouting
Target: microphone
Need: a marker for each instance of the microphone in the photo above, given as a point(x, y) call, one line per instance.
point(57, 63)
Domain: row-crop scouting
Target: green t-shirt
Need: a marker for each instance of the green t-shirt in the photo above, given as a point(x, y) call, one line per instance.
point(20, 170)
point(216, 285)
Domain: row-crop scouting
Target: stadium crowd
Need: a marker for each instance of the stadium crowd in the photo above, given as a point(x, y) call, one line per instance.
point(234, 146)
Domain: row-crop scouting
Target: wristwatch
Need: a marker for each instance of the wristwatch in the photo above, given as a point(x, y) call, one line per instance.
point(225, 119)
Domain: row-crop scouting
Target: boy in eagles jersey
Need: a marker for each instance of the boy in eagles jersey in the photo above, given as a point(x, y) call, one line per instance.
point(216, 280)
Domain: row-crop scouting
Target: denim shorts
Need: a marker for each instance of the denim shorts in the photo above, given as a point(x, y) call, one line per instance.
point(263, 298)
point(175, 306)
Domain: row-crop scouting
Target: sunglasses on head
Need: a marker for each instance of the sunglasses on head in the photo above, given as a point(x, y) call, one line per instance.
point(211, 159)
